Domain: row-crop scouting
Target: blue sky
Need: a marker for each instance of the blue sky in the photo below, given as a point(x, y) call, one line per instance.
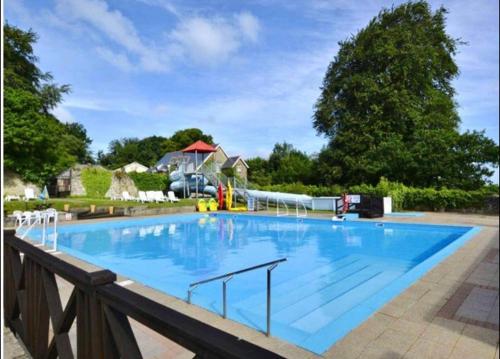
point(247, 72)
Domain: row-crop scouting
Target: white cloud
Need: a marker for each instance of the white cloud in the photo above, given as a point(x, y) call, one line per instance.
point(206, 41)
point(63, 114)
point(249, 25)
point(119, 60)
point(163, 4)
point(117, 28)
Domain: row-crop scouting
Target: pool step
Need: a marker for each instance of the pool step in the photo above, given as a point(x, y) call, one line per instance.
point(296, 309)
point(323, 315)
point(299, 281)
point(310, 307)
point(283, 299)
point(295, 289)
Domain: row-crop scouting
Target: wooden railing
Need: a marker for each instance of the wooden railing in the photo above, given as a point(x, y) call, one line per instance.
point(102, 310)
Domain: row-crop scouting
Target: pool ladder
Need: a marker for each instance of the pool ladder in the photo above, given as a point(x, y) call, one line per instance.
point(228, 276)
point(298, 204)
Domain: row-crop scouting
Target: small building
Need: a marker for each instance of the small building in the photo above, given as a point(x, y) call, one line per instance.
point(217, 161)
point(134, 167)
point(238, 164)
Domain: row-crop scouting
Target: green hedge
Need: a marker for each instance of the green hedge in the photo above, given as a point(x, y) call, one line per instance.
point(150, 181)
point(96, 181)
point(427, 199)
point(403, 197)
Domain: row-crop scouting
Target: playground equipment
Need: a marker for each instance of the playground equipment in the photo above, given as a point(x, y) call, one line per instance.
point(202, 205)
point(212, 205)
point(207, 179)
point(290, 199)
point(185, 183)
point(203, 148)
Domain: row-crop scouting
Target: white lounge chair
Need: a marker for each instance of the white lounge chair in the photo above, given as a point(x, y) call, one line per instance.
point(151, 196)
point(29, 194)
point(12, 197)
point(143, 197)
point(171, 197)
point(154, 196)
point(160, 195)
point(127, 197)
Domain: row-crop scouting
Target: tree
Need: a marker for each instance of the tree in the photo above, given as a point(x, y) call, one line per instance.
point(36, 144)
point(387, 106)
point(184, 138)
point(148, 150)
point(77, 142)
point(258, 171)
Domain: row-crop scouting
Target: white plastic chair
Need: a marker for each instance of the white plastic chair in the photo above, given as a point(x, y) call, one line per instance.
point(171, 197)
point(18, 217)
point(127, 197)
point(27, 217)
point(29, 194)
point(37, 217)
point(143, 197)
point(151, 196)
point(51, 213)
point(160, 196)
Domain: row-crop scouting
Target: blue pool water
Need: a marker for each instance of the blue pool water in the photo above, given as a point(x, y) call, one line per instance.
point(337, 273)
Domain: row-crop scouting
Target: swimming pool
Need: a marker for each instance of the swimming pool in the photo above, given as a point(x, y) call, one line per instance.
point(336, 275)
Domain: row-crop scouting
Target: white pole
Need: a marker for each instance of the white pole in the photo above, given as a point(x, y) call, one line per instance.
point(55, 224)
point(43, 227)
point(183, 165)
point(196, 170)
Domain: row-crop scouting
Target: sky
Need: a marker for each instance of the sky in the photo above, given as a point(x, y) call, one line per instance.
point(246, 72)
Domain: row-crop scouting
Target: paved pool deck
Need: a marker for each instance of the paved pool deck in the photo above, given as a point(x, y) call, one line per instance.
point(451, 312)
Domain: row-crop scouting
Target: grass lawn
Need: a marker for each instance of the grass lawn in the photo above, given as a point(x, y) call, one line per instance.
point(84, 203)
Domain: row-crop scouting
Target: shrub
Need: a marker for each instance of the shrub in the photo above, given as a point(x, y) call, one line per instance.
point(150, 181)
point(96, 181)
point(229, 172)
point(430, 199)
point(403, 197)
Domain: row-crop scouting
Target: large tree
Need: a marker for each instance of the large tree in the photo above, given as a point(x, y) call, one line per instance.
point(286, 164)
point(149, 149)
point(387, 106)
point(36, 144)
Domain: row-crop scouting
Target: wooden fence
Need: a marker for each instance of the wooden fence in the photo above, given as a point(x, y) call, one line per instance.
point(102, 310)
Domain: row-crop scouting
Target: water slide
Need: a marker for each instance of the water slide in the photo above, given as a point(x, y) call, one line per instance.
point(281, 197)
point(180, 180)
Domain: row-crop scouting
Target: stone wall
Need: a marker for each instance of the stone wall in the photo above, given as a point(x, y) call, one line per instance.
point(121, 182)
point(145, 211)
point(77, 188)
point(14, 185)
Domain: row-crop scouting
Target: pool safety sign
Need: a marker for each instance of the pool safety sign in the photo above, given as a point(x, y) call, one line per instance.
point(355, 198)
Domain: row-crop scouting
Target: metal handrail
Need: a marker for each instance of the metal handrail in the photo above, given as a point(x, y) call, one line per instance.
point(278, 208)
point(297, 209)
point(228, 276)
